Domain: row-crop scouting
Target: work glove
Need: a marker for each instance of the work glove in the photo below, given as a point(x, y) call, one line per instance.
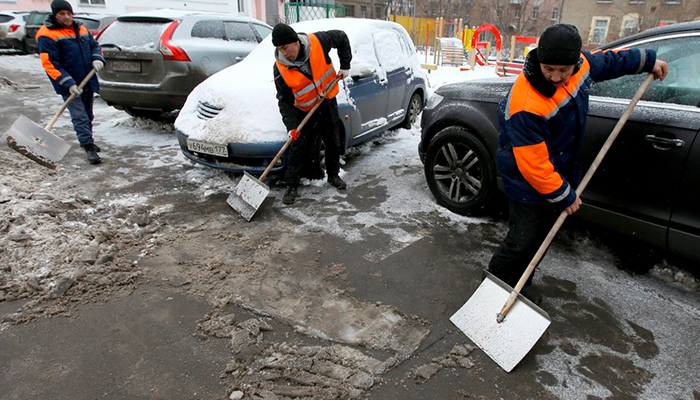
point(98, 65)
point(344, 73)
point(74, 89)
point(294, 134)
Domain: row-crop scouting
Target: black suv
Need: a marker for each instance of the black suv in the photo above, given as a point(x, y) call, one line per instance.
point(647, 187)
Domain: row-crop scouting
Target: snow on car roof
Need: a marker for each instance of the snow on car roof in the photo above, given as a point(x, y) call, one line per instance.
point(171, 14)
point(246, 91)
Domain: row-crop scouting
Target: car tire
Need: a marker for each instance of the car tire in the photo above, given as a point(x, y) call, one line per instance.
point(462, 191)
point(415, 106)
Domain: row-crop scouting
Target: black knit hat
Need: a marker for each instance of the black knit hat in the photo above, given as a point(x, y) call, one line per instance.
point(560, 44)
point(283, 34)
point(60, 5)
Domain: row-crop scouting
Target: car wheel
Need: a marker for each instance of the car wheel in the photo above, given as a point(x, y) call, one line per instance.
point(459, 170)
point(415, 106)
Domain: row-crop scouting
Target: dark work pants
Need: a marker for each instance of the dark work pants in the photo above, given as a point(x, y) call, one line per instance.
point(81, 114)
point(303, 151)
point(528, 225)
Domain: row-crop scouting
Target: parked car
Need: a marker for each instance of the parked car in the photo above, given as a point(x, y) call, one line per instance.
point(648, 185)
point(232, 121)
point(95, 23)
point(154, 59)
point(33, 23)
point(12, 31)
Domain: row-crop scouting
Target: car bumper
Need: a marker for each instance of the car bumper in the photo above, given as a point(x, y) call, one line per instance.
point(249, 157)
point(10, 43)
point(168, 95)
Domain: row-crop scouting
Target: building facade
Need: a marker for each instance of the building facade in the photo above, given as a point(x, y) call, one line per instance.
point(25, 5)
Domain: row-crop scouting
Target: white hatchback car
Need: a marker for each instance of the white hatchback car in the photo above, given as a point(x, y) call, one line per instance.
point(231, 121)
point(12, 31)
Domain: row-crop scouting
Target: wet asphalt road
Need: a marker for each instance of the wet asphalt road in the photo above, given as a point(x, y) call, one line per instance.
point(615, 334)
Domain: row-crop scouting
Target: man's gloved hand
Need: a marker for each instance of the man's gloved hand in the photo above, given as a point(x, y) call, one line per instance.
point(98, 65)
point(74, 89)
point(344, 73)
point(294, 134)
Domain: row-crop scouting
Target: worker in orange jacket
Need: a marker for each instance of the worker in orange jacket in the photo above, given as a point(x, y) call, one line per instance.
point(541, 125)
point(303, 71)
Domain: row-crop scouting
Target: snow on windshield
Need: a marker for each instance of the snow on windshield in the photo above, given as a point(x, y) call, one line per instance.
point(246, 91)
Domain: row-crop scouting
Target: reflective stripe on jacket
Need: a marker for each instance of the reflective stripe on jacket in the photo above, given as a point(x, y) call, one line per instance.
point(541, 131)
point(307, 92)
point(66, 57)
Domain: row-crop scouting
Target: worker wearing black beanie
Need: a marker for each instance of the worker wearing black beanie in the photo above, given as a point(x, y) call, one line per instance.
point(560, 44)
point(283, 34)
point(60, 5)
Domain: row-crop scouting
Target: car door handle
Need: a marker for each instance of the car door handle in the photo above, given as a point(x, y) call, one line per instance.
point(383, 81)
point(239, 58)
point(662, 143)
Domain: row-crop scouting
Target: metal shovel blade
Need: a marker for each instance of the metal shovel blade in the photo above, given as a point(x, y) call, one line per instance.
point(507, 342)
point(250, 194)
point(36, 143)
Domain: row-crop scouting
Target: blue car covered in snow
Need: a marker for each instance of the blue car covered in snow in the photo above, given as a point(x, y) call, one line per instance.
point(231, 121)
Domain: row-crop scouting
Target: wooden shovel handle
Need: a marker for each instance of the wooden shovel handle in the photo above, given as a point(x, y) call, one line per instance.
point(72, 96)
point(584, 182)
point(301, 125)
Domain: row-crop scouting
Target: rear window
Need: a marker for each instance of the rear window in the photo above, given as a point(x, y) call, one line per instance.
point(134, 35)
point(5, 18)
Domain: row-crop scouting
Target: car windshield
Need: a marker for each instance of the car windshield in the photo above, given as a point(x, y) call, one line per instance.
point(90, 24)
point(37, 18)
point(134, 35)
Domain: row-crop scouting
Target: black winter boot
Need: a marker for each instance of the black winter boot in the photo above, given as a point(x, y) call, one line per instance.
point(290, 195)
point(337, 182)
point(92, 156)
point(532, 294)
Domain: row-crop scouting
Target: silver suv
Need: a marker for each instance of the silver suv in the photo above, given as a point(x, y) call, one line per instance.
point(155, 59)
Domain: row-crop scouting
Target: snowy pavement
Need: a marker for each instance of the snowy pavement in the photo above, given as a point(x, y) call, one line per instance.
point(167, 291)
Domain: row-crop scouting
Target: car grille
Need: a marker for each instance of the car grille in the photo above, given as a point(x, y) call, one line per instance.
point(207, 111)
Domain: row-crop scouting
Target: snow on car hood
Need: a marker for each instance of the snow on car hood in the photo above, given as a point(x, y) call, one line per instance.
point(246, 92)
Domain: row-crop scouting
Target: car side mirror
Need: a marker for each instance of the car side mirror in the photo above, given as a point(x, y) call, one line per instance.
point(362, 71)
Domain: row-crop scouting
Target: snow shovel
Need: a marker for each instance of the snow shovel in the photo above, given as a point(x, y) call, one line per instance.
point(251, 192)
point(38, 143)
point(483, 317)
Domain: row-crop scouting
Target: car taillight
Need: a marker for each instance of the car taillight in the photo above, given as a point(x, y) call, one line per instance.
point(100, 32)
point(168, 49)
point(13, 28)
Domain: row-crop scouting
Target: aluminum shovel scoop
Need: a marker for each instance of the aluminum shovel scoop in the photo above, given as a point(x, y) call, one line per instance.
point(39, 143)
point(250, 192)
point(497, 318)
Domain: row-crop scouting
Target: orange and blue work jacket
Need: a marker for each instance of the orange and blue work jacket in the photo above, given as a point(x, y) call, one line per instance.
point(541, 126)
point(67, 54)
point(309, 90)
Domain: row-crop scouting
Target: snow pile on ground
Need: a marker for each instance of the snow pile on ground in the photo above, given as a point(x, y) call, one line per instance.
point(59, 244)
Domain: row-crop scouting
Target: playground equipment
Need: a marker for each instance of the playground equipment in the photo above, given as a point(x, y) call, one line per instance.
point(514, 66)
point(476, 55)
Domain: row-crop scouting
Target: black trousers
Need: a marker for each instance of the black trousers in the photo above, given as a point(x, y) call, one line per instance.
point(528, 225)
point(304, 159)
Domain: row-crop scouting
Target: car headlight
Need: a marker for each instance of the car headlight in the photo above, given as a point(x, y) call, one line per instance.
point(433, 101)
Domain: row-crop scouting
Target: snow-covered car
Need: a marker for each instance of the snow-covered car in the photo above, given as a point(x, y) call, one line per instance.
point(648, 185)
point(12, 32)
point(232, 121)
point(155, 58)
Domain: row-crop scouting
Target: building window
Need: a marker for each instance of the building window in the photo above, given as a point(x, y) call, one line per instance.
point(599, 30)
point(535, 12)
point(637, 1)
point(484, 13)
point(363, 11)
point(517, 13)
point(630, 25)
point(499, 11)
point(93, 2)
point(673, 1)
point(605, 1)
point(241, 6)
point(379, 15)
point(555, 14)
point(350, 11)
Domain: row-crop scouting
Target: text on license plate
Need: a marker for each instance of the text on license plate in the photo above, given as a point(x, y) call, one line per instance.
point(207, 148)
point(126, 66)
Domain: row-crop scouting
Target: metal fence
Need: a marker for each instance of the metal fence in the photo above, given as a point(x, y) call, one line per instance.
point(296, 12)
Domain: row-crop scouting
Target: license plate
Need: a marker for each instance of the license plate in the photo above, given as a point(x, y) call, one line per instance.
point(126, 66)
point(207, 148)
